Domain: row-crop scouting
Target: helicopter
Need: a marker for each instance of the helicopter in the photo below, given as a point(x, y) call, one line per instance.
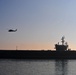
point(11, 30)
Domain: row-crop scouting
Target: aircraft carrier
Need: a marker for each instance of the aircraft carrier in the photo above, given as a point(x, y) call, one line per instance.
point(62, 52)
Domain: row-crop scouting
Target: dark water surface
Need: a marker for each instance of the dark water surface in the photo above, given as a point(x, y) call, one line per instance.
point(37, 67)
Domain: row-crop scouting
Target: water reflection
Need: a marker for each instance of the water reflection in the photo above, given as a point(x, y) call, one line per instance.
point(61, 67)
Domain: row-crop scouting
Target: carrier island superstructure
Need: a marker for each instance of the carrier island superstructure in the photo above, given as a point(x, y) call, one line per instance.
point(63, 46)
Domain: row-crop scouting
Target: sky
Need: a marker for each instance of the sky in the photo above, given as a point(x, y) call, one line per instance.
point(40, 24)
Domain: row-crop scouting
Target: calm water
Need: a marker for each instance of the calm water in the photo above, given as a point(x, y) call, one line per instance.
point(37, 67)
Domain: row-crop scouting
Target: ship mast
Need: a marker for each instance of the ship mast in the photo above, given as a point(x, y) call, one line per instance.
point(63, 40)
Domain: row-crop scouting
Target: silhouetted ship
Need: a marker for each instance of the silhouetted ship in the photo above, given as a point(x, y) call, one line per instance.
point(62, 52)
